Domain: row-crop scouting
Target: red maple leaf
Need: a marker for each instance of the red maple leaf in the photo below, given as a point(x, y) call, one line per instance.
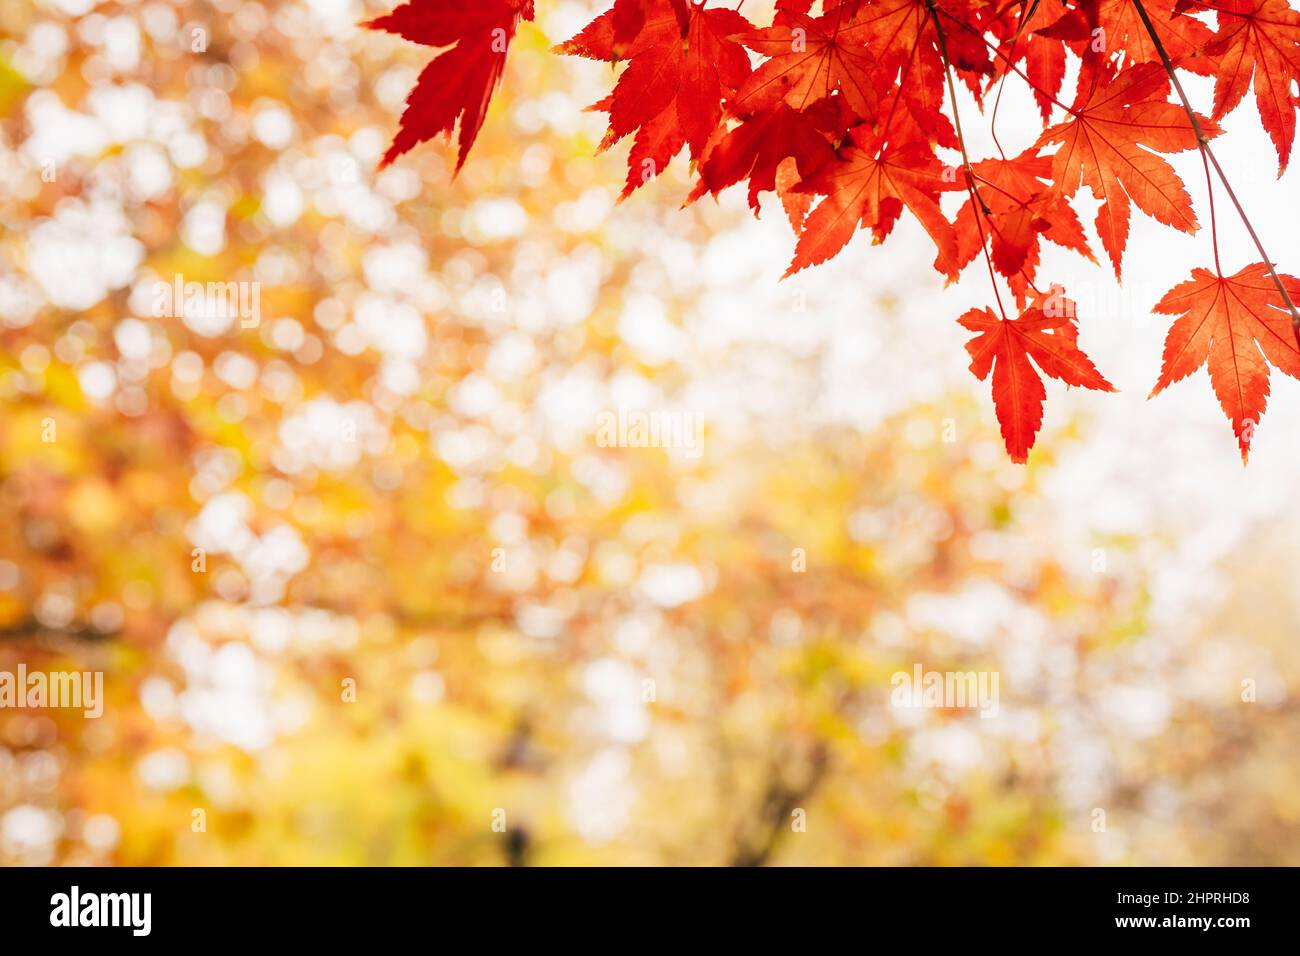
point(687, 72)
point(1018, 210)
point(1117, 121)
point(757, 147)
point(1045, 332)
point(1259, 38)
point(810, 59)
point(458, 83)
point(1106, 27)
point(1229, 322)
point(870, 185)
point(905, 44)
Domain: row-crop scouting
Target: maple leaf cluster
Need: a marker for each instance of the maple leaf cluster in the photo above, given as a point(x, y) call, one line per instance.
point(840, 109)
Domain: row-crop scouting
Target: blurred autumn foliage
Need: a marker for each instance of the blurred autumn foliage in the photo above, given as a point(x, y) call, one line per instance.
point(360, 578)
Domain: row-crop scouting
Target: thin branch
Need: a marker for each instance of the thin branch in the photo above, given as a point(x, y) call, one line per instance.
point(780, 798)
point(1025, 16)
point(977, 203)
point(1206, 153)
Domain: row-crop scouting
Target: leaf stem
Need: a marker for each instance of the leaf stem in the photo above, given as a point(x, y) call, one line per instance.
point(1214, 222)
point(977, 203)
point(1025, 16)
